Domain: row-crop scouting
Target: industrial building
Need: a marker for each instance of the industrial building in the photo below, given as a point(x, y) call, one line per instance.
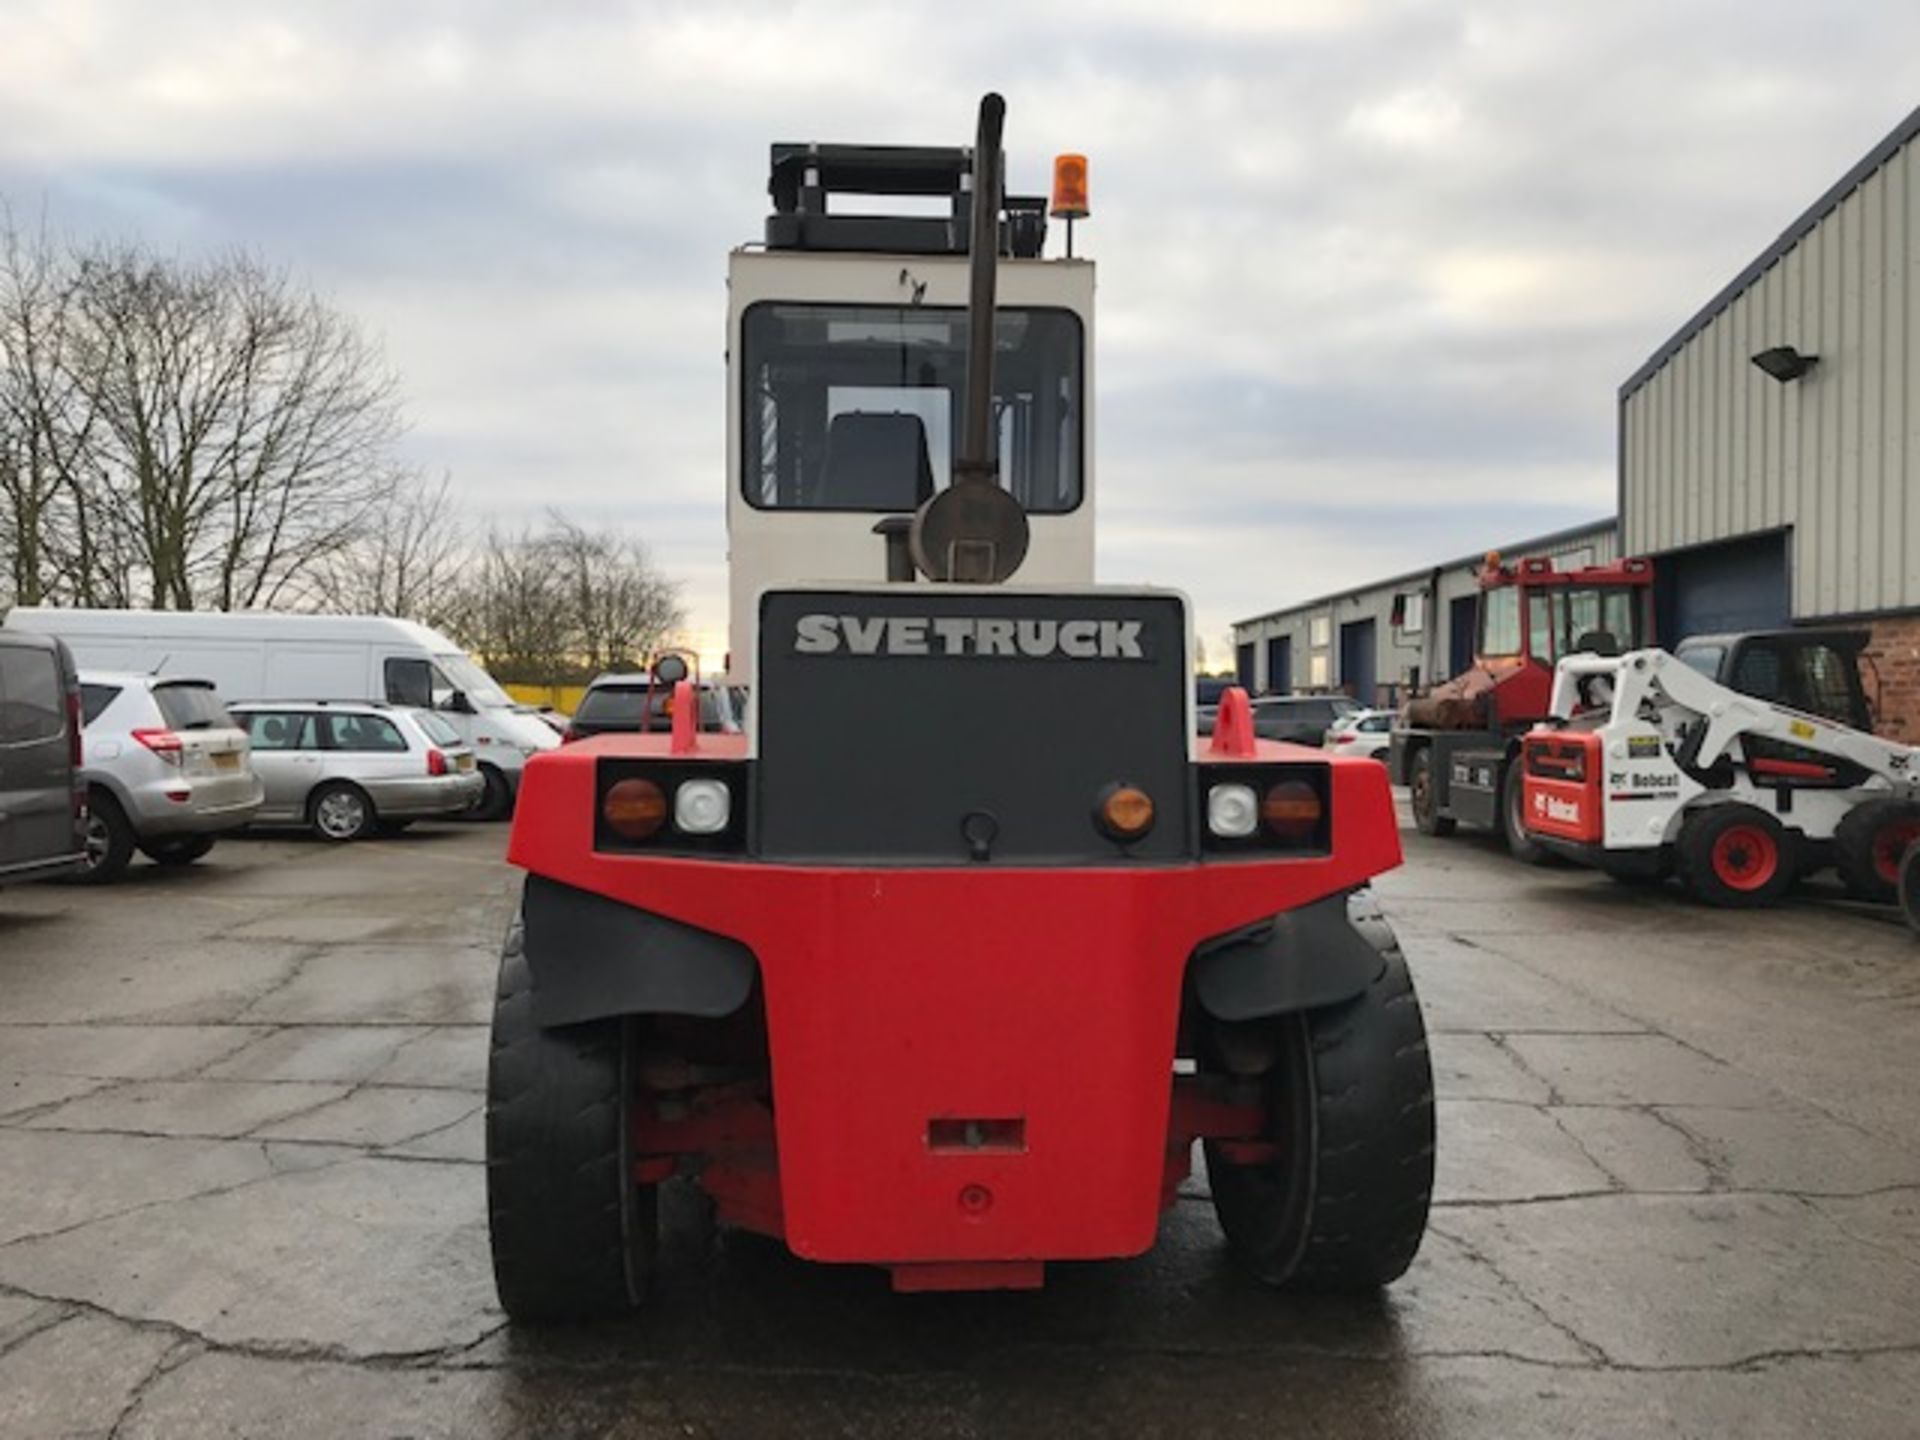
point(1767, 450)
point(1767, 461)
point(1378, 641)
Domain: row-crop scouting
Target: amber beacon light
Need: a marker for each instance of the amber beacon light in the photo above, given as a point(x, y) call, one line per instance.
point(1070, 192)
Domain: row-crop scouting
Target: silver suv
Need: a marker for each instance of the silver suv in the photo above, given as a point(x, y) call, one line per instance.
point(351, 768)
point(166, 771)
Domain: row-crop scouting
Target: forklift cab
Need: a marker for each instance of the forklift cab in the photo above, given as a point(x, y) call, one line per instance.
point(846, 373)
point(1816, 672)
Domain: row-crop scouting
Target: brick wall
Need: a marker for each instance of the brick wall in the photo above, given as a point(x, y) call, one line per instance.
point(1895, 652)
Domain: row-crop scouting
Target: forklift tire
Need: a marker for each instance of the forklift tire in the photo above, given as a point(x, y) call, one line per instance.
point(1869, 842)
point(1421, 797)
point(1342, 1205)
point(1736, 857)
point(573, 1237)
point(1513, 817)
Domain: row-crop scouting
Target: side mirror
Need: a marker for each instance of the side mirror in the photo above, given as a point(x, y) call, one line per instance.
point(458, 703)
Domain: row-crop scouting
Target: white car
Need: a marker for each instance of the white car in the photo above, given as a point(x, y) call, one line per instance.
point(1361, 732)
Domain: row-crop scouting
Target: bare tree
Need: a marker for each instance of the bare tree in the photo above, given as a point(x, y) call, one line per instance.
point(563, 603)
point(407, 559)
point(240, 427)
point(46, 421)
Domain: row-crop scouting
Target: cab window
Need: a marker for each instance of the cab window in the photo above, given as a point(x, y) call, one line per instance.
point(1500, 621)
point(858, 407)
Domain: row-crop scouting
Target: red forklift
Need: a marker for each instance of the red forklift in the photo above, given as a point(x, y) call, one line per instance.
point(936, 967)
point(1456, 748)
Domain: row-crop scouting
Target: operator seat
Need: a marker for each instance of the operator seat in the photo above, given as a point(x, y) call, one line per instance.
point(875, 461)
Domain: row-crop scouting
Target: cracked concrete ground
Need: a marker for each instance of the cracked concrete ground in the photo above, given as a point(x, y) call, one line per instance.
point(241, 1193)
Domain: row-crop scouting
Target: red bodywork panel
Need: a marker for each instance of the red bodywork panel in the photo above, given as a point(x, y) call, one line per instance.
point(1040, 1003)
point(1563, 775)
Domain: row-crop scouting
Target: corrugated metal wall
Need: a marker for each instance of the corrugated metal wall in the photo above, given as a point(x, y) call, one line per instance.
point(1711, 448)
point(1315, 652)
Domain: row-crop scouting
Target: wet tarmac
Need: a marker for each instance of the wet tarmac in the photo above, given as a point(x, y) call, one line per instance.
point(241, 1193)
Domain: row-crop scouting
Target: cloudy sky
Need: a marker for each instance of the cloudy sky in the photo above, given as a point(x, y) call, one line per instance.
point(1371, 273)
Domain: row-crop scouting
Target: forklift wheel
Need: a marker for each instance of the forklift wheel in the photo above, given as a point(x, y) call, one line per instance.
point(1342, 1203)
point(1736, 857)
point(573, 1236)
point(1869, 842)
point(1426, 805)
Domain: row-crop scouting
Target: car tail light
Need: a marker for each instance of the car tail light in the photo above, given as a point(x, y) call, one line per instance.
point(436, 762)
point(163, 743)
point(1343, 737)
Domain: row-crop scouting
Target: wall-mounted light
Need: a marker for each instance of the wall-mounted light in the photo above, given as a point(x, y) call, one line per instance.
point(1784, 363)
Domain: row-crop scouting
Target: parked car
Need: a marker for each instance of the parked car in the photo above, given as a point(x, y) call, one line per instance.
point(166, 769)
point(42, 795)
point(1362, 732)
point(257, 655)
point(617, 703)
point(1301, 719)
point(353, 768)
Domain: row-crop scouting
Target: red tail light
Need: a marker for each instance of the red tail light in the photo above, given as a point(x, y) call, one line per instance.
point(163, 743)
point(1345, 737)
point(436, 762)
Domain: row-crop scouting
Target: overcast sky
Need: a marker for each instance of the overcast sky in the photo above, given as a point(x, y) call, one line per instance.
point(1371, 273)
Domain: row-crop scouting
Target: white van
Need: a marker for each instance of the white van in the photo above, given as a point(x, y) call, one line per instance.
point(264, 655)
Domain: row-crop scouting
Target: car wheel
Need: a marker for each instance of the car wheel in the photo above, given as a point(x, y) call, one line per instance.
point(109, 841)
point(496, 801)
point(1342, 1202)
point(342, 812)
point(1736, 857)
point(177, 850)
point(572, 1235)
point(1426, 803)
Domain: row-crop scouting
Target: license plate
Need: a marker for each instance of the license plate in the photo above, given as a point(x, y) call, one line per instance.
point(463, 762)
point(227, 760)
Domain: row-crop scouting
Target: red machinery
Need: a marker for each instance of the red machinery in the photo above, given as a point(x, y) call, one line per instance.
point(947, 962)
point(1456, 748)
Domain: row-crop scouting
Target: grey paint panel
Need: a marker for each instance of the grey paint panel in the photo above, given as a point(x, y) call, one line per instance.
point(880, 757)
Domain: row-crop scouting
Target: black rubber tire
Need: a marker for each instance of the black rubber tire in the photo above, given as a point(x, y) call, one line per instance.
point(1861, 845)
point(369, 817)
point(496, 801)
point(1343, 1205)
point(573, 1238)
point(1419, 785)
point(177, 850)
point(110, 841)
point(1910, 887)
point(1513, 800)
point(1693, 853)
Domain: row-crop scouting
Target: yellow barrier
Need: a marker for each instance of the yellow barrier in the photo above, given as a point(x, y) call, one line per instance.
point(564, 698)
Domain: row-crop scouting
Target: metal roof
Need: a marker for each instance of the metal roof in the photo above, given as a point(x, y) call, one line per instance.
point(1791, 236)
point(1556, 537)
